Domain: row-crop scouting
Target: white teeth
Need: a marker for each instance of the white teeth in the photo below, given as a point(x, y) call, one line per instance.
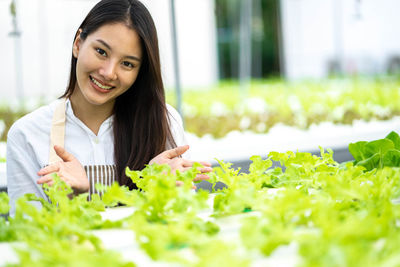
point(100, 85)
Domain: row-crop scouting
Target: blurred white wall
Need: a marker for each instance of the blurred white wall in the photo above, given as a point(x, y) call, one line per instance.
point(361, 34)
point(48, 28)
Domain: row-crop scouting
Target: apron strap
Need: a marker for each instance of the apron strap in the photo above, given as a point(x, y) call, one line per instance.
point(57, 132)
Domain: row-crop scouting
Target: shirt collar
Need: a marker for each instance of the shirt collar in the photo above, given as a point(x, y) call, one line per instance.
point(105, 126)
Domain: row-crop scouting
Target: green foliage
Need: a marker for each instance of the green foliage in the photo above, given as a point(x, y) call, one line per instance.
point(66, 252)
point(335, 215)
point(57, 234)
point(239, 194)
point(377, 153)
point(160, 198)
point(218, 253)
point(4, 207)
point(8, 117)
point(164, 221)
point(115, 195)
point(222, 109)
point(171, 239)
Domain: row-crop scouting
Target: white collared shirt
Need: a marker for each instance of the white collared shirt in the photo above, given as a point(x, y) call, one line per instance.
point(28, 144)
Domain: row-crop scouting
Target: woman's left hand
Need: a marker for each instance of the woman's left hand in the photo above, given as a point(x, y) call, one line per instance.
point(70, 170)
point(171, 157)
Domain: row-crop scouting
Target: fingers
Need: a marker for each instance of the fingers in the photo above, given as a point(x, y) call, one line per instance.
point(45, 179)
point(201, 177)
point(189, 163)
point(63, 154)
point(48, 179)
point(176, 152)
point(49, 169)
point(205, 163)
point(206, 169)
point(202, 170)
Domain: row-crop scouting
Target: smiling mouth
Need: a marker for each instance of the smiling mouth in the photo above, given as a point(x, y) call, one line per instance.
point(100, 85)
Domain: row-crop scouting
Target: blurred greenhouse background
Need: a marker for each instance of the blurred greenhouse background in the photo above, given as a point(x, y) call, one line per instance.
point(251, 76)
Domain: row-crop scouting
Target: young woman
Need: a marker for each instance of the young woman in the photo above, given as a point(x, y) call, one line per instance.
point(112, 115)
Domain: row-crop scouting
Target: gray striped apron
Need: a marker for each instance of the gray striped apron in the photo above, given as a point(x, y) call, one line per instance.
point(97, 174)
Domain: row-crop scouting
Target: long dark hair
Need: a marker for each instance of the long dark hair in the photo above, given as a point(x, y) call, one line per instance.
point(141, 121)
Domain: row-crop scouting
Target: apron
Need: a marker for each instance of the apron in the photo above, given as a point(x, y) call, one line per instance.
point(102, 174)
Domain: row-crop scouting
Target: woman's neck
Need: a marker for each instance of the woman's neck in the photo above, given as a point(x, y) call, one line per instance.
point(91, 115)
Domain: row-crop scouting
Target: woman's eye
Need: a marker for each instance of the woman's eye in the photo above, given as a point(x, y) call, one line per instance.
point(101, 52)
point(128, 64)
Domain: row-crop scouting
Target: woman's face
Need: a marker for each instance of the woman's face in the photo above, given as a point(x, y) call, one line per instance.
point(108, 62)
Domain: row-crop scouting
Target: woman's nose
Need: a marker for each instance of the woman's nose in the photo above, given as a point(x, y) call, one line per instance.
point(108, 70)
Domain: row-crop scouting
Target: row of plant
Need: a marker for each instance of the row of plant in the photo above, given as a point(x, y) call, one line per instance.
point(335, 214)
point(7, 118)
point(13, 109)
point(226, 108)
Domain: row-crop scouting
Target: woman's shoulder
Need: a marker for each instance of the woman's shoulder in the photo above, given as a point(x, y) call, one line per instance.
point(174, 115)
point(176, 127)
point(33, 123)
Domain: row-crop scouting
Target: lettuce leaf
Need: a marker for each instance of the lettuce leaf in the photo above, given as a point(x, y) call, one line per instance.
point(378, 153)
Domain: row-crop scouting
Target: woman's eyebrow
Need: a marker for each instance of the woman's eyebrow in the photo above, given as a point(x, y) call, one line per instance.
point(104, 43)
point(109, 48)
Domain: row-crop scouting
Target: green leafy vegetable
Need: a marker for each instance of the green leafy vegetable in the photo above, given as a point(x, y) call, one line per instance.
point(332, 214)
point(377, 153)
point(4, 207)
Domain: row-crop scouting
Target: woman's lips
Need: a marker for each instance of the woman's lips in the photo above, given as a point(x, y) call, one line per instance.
point(100, 84)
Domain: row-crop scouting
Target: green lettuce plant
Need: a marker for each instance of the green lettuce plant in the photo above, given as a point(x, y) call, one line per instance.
point(332, 214)
point(377, 153)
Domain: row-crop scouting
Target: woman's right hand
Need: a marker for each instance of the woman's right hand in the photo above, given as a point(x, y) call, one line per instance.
point(70, 170)
point(171, 157)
